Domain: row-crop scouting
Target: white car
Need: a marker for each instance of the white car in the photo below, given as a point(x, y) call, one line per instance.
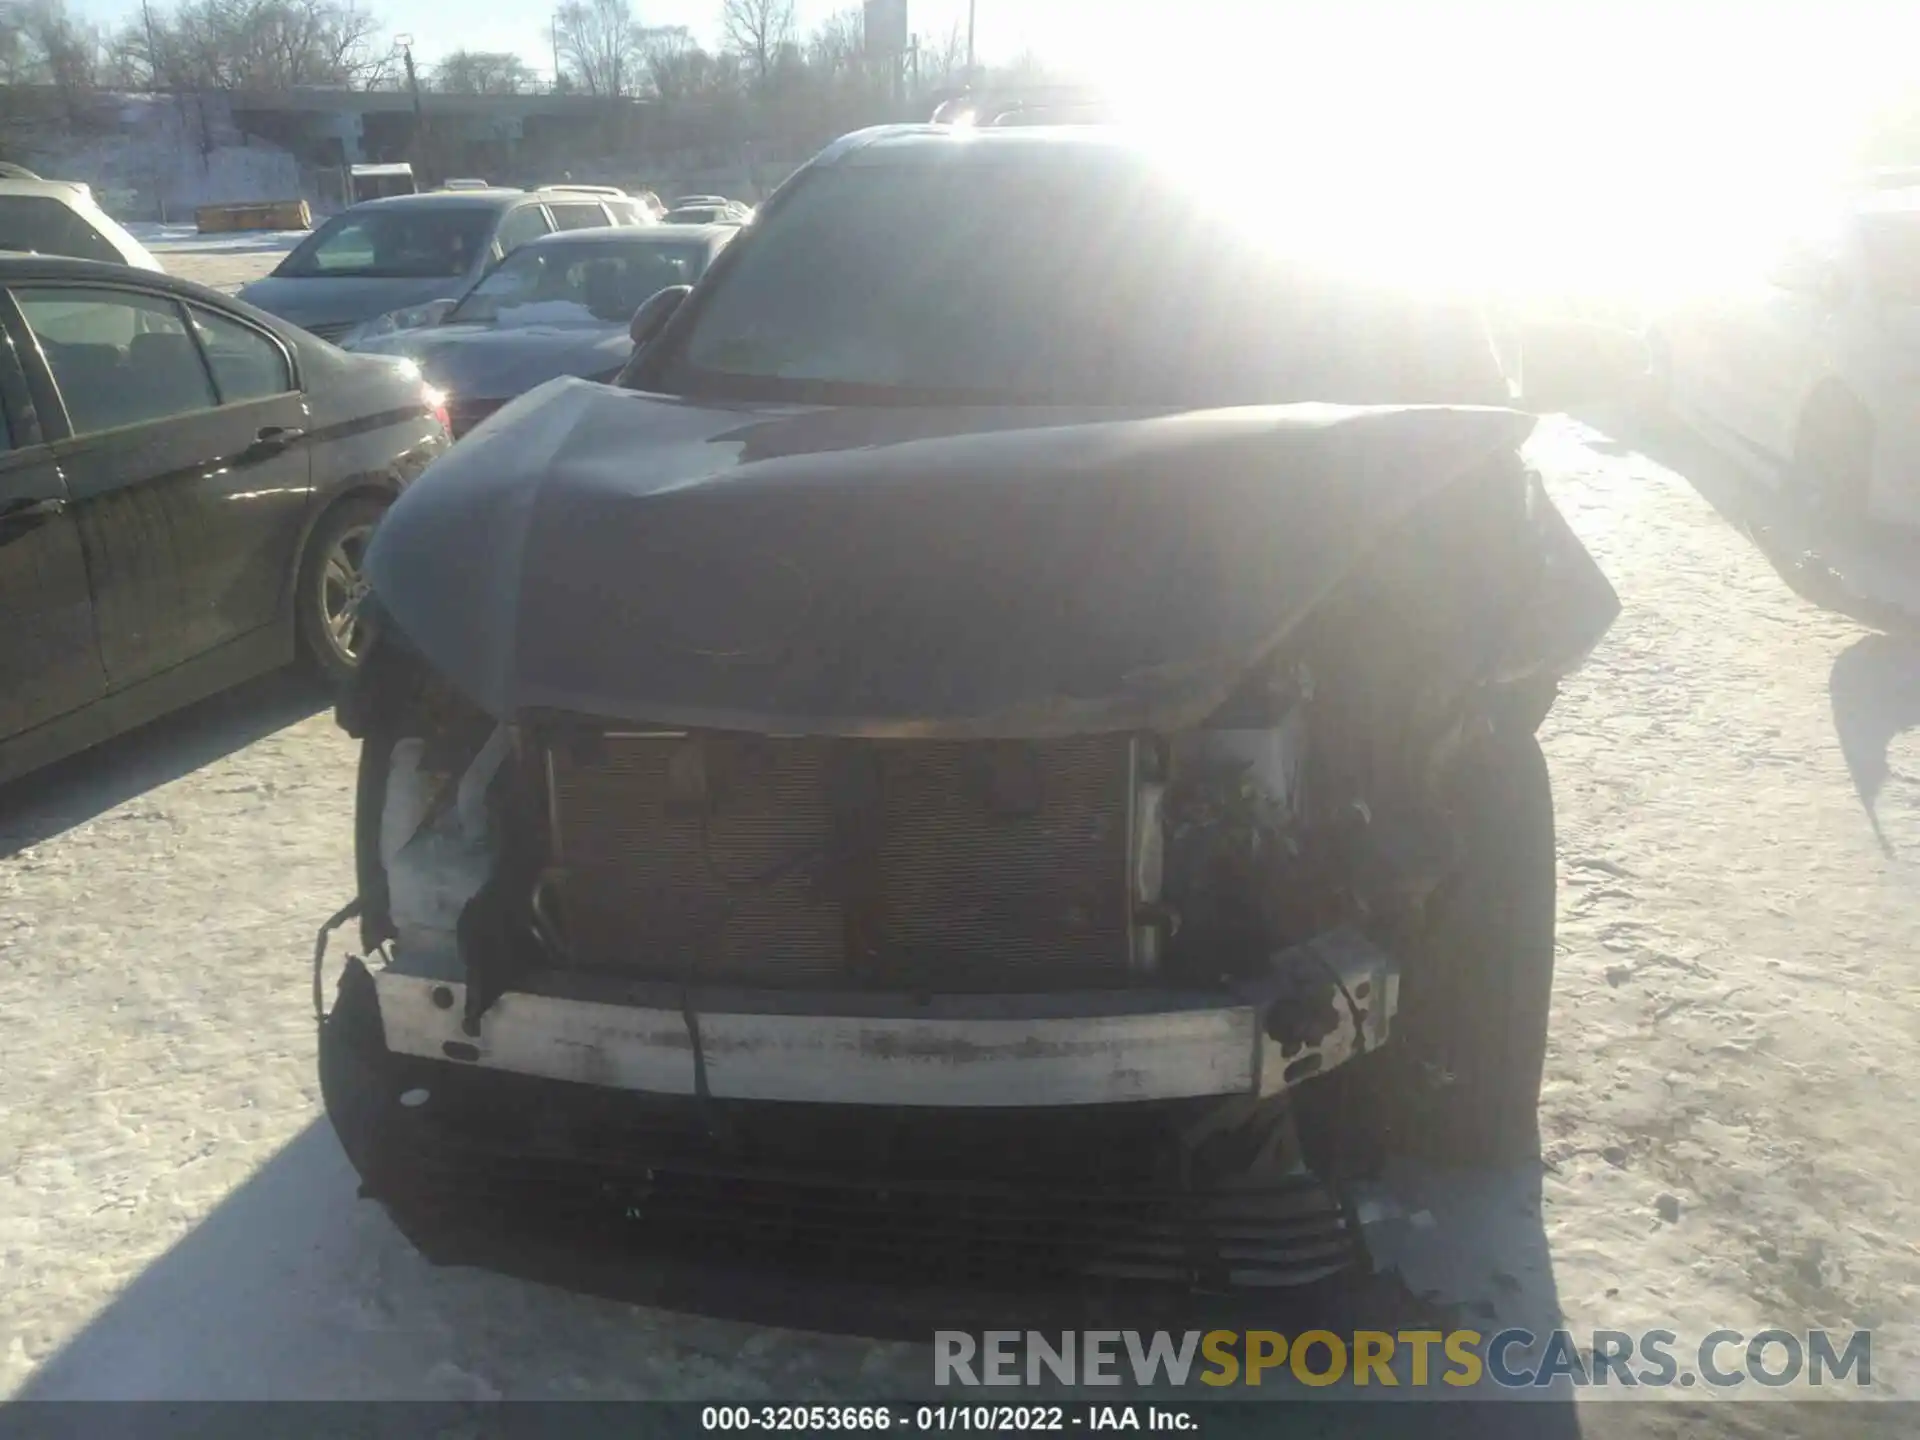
point(1813, 367)
point(60, 217)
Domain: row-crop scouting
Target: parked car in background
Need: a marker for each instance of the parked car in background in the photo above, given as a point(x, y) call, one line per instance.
point(186, 489)
point(730, 212)
point(386, 255)
point(468, 183)
point(625, 209)
point(559, 305)
point(1809, 365)
point(60, 217)
point(375, 182)
point(945, 771)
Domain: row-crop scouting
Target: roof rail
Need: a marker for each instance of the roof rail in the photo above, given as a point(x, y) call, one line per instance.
point(1026, 105)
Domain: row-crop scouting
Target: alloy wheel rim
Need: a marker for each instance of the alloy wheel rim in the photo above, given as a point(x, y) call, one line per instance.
point(343, 587)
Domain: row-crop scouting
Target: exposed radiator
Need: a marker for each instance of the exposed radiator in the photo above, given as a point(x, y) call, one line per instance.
point(938, 866)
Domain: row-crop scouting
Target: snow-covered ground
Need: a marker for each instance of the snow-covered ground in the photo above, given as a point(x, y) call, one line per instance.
point(1729, 1115)
point(170, 239)
point(225, 262)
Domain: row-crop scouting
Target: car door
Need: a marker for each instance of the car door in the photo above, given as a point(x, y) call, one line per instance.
point(184, 454)
point(49, 658)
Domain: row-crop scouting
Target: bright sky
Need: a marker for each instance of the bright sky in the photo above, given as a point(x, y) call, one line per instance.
point(1003, 27)
point(1612, 138)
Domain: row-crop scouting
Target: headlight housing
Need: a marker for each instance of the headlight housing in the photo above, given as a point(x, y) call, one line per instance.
point(410, 317)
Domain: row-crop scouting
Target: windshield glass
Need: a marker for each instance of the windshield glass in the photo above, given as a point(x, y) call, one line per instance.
point(1890, 245)
point(410, 242)
point(41, 225)
point(578, 284)
point(1052, 280)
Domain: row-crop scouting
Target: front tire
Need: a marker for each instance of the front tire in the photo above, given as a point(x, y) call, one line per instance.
point(331, 586)
point(1459, 1080)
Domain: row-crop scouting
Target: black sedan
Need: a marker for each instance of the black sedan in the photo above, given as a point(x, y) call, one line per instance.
point(186, 487)
point(557, 306)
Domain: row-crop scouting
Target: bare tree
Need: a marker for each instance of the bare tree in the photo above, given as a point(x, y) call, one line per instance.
point(760, 31)
point(943, 62)
point(42, 44)
point(688, 73)
point(599, 45)
point(673, 63)
point(482, 72)
point(839, 45)
point(255, 45)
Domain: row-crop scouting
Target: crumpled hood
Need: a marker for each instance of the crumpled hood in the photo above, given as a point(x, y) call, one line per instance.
point(341, 300)
point(485, 362)
point(892, 572)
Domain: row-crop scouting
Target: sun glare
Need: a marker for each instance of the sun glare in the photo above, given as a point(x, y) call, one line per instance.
point(1548, 152)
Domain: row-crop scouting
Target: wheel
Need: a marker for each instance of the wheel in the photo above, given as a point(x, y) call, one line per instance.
point(1459, 1080)
point(1833, 461)
point(331, 586)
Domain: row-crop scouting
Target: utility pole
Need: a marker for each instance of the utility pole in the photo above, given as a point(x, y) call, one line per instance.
point(553, 31)
point(970, 8)
point(405, 42)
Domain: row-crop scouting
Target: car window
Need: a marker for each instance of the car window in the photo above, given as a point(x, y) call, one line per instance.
point(1042, 281)
point(246, 364)
point(529, 222)
point(402, 242)
point(577, 216)
point(117, 358)
point(579, 284)
point(41, 225)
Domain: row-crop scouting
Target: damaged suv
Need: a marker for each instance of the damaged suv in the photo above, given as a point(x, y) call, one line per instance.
point(1006, 738)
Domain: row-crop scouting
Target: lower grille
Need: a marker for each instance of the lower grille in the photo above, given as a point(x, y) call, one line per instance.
point(1020, 1201)
point(791, 863)
point(330, 330)
point(1273, 1236)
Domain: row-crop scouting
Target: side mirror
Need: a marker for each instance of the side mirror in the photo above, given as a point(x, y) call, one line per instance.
point(654, 312)
point(1564, 363)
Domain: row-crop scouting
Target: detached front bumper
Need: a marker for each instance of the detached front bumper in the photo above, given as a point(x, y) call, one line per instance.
point(1322, 1003)
point(954, 1148)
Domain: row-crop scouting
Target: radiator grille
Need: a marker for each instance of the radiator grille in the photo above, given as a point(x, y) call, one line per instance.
point(939, 865)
